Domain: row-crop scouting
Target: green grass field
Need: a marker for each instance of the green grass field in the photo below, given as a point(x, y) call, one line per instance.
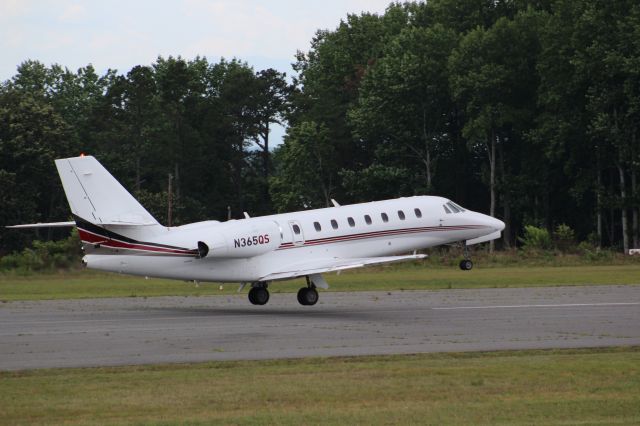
point(87, 284)
point(588, 386)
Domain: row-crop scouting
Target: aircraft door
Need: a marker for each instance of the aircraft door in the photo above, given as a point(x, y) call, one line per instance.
point(296, 232)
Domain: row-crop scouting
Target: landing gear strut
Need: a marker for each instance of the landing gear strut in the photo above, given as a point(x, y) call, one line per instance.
point(308, 296)
point(466, 264)
point(259, 295)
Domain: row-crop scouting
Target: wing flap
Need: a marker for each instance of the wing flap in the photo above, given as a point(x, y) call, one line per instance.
point(319, 266)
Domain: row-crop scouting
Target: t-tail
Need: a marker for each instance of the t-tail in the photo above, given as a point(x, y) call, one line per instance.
point(101, 206)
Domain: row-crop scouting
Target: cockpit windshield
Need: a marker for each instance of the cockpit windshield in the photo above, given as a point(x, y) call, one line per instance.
point(451, 207)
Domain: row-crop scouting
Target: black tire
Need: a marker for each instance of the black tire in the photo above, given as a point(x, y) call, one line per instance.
point(311, 297)
point(259, 296)
point(466, 265)
point(302, 293)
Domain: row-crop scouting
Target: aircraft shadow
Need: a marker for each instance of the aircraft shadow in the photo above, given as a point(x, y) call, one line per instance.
point(306, 313)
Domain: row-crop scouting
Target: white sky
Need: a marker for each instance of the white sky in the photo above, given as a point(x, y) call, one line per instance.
point(123, 33)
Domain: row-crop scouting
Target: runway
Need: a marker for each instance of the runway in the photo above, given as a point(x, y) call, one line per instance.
point(103, 332)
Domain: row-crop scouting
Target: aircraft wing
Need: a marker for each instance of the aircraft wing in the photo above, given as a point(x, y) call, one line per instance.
point(318, 266)
point(43, 225)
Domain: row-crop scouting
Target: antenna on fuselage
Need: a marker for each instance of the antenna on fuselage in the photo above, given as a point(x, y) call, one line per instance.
point(335, 203)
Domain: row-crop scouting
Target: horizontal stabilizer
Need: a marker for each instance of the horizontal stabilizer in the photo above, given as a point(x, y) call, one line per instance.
point(318, 266)
point(43, 225)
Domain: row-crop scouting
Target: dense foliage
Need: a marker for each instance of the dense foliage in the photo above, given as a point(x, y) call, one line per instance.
point(525, 109)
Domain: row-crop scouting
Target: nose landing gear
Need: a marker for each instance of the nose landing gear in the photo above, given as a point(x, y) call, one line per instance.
point(466, 264)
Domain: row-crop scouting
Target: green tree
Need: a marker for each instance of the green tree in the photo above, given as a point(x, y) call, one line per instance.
point(307, 173)
point(404, 101)
point(493, 77)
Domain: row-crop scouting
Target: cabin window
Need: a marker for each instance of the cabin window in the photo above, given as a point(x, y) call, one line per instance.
point(334, 224)
point(317, 226)
point(401, 214)
point(352, 222)
point(367, 219)
point(296, 229)
point(418, 213)
point(446, 209)
point(384, 217)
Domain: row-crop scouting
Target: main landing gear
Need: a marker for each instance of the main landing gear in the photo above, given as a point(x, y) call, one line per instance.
point(308, 296)
point(466, 264)
point(259, 295)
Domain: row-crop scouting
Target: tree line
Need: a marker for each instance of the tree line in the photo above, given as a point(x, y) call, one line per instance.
point(526, 110)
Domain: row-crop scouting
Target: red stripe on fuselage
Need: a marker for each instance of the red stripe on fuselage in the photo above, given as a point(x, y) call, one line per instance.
point(91, 238)
point(376, 234)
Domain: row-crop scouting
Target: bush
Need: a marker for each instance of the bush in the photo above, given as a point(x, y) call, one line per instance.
point(536, 238)
point(564, 238)
point(45, 255)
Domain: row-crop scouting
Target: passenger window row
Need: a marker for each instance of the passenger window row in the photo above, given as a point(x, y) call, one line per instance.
point(367, 219)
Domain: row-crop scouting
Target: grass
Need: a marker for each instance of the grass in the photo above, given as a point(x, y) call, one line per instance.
point(415, 276)
point(583, 386)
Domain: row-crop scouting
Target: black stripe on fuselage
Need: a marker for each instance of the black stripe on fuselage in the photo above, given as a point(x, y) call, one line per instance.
point(110, 235)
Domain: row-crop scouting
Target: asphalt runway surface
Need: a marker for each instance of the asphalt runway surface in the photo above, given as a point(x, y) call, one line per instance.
point(103, 332)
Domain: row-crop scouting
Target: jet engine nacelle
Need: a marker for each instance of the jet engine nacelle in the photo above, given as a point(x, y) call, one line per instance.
point(240, 240)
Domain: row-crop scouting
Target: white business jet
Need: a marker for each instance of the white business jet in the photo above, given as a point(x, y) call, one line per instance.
point(119, 235)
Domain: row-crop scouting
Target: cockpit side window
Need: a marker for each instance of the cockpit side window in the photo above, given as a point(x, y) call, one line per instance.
point(446, 209)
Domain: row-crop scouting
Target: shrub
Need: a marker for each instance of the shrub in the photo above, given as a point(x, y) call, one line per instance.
point(535, 238)
point(564, 238)
point(45, 255)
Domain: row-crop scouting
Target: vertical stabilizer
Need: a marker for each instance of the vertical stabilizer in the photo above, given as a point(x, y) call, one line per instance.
point(97, 197)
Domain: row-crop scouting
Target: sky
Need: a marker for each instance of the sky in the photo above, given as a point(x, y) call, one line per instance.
point(120, 34)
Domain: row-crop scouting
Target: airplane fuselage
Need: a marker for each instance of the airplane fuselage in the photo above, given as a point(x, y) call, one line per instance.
point(259, 248)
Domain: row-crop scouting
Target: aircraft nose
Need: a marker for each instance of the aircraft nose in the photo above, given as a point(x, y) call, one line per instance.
point(497, 224)
point(491, 222)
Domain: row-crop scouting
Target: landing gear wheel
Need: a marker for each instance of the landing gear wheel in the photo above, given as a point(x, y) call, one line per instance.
point(466, 264)
point(258, 296)
point(308, 296)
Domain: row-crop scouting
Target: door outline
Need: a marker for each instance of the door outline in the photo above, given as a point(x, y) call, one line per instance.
point(296, 239)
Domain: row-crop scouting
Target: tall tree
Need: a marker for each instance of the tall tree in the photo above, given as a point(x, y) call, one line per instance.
point(404, 101)
point(493, 75)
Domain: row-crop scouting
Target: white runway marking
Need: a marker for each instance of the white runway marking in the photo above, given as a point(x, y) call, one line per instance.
point(563, 305)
